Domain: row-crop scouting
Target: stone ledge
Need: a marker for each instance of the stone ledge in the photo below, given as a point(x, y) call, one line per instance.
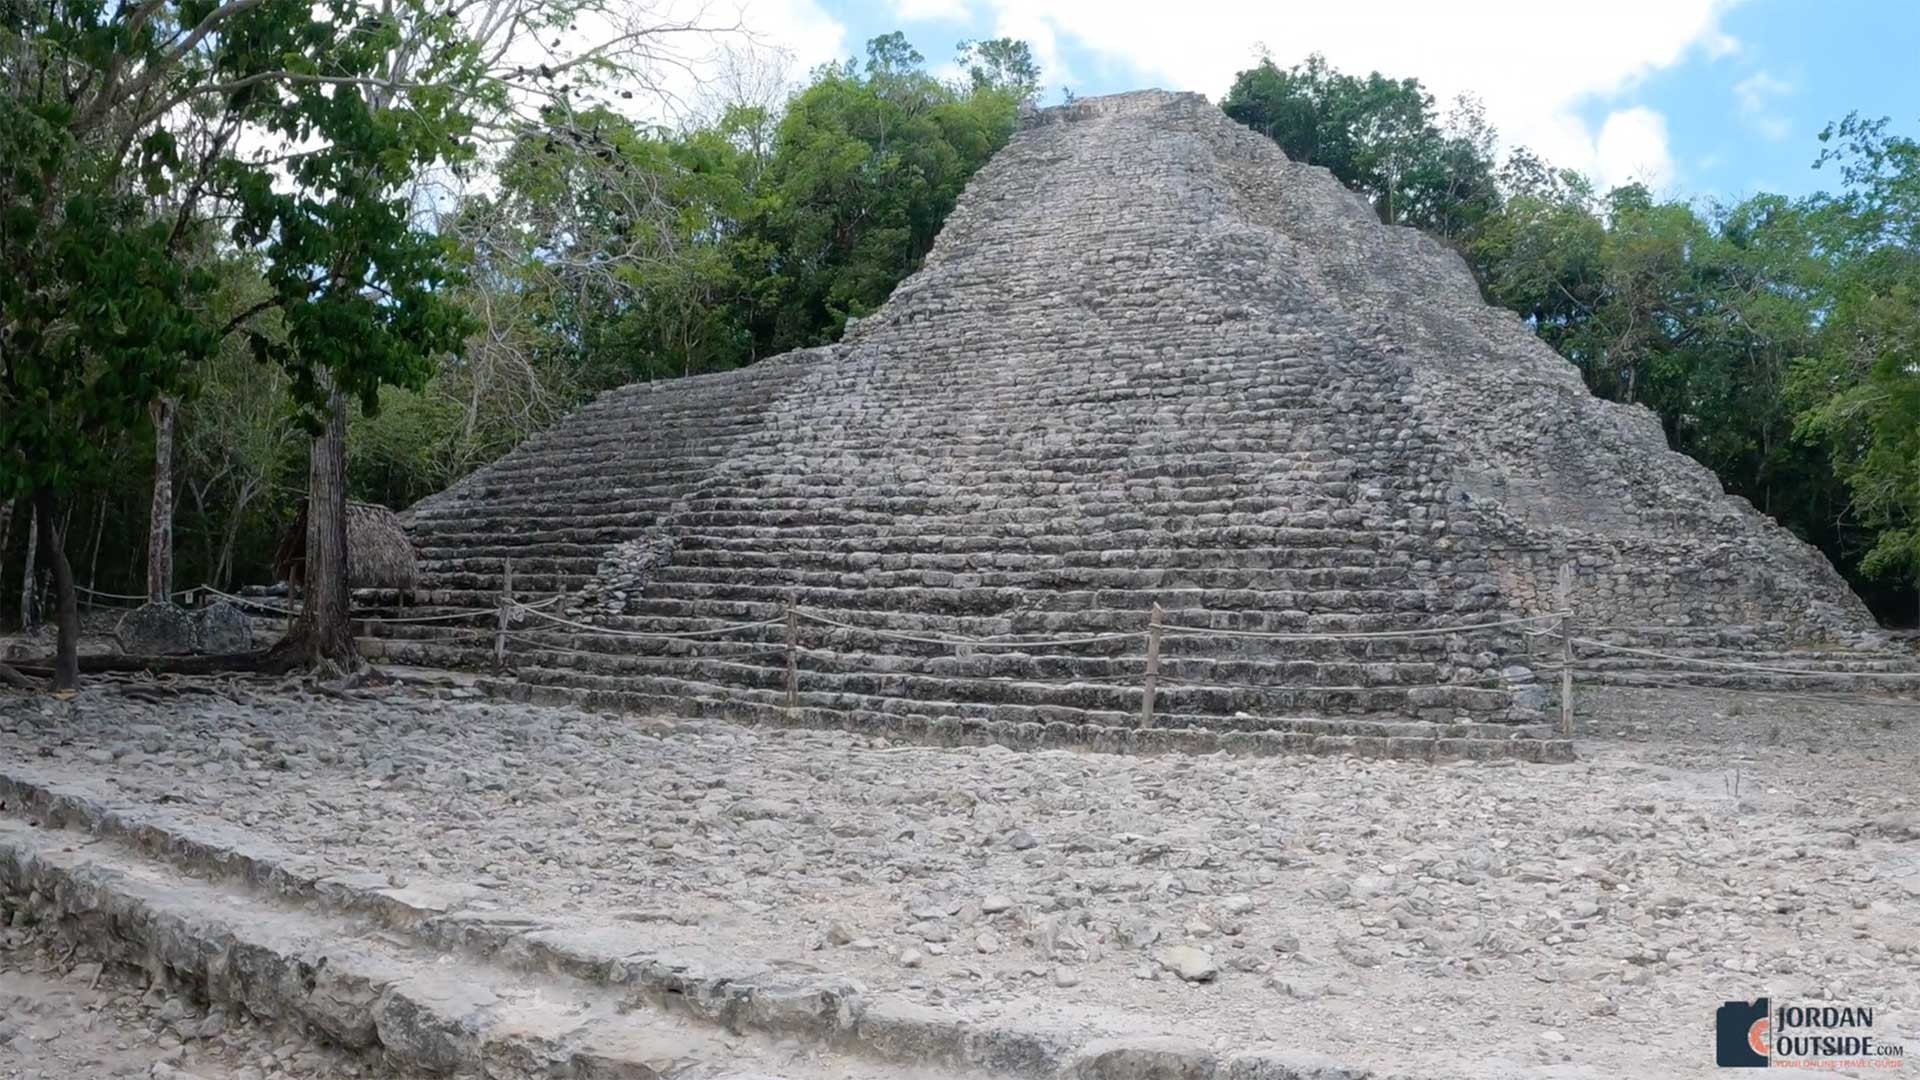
point(950, 731)
point(403, 1011)
point(368, 1011)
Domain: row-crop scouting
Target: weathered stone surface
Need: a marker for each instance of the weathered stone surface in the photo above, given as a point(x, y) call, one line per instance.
point(221, 629)
point(1158, 1058)
point(1149, 361)
point(156, 630)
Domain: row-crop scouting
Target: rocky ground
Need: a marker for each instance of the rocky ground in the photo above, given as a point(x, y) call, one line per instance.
point(64, 1015)
point(1466, 919)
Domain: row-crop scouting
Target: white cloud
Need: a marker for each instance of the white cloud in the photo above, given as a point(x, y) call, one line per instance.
point(932, 10)
point(1757, 95)
point(1534, 65)
point(1020, 22)
point(1632, 146)
point(804, 34)
point(753, 50)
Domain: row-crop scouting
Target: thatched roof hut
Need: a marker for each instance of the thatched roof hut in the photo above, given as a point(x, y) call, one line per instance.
point(379, 555)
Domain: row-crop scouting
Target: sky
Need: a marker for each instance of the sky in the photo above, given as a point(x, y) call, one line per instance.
point(1697, 98)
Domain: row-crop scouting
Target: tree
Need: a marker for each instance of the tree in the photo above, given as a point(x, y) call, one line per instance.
point(1859, 390)
point(1000, 65)
point(98, 315)
point(361, 289)
point(870, 160)
point(96, 318)
point(1379, 136)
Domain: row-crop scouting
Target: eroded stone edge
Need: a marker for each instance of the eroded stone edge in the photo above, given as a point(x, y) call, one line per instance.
point(834, 1010)
point(951, 731)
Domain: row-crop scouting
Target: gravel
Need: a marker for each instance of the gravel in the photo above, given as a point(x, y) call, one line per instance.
point(1501, 918)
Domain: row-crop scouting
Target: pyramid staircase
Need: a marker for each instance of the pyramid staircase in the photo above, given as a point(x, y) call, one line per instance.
point(1126, 380)
point(883, 582)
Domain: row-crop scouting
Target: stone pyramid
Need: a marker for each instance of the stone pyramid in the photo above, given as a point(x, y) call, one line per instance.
point(1149, 360)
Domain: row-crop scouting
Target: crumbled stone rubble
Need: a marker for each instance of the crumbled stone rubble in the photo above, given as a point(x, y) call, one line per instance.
point(623, 574)
point(1589, 915)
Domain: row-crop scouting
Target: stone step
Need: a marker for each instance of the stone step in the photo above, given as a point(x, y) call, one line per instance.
point(1023, 531)
point(1077, 615)
point(394, 998)
point(1218, 656)
point(962, 593)
point(1095, 495)
point(892, 553)
point(1195, 659)
point(1731, 661)
point(1121, 734)
point(432, 976)
point(1042, 579)
point(831, 684)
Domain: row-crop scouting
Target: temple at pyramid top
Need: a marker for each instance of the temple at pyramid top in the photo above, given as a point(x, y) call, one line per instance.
point(1148, 361)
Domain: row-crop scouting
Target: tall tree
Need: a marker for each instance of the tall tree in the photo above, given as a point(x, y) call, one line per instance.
point(1859, 391)
point(98, 316)
point(1000, 65)
point(871, 158)
point(95, 317)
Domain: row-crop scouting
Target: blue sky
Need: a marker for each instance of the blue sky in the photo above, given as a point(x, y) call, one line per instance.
point(1809, 63)
point(1699, 97)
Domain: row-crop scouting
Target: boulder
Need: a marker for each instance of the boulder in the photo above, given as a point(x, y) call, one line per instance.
point(156, 630)
point(221, 629)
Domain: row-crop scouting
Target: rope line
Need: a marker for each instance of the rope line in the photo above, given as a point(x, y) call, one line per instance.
point(445, 616)
point(982, 643)
point(610, 631)
point(257, 605)
point(1494, 681)
point(1733, 666)
point(533, 645)
point(142, 597)
point(1654, 682)
point(1195, 631)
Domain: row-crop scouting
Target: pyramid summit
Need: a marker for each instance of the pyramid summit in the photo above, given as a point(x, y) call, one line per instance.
point(1148, 361)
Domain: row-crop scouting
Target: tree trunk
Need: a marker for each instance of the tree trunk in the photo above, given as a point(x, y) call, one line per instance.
point(27, 619)
point(6, 530)
point(93, 561)
point(66, 664)
point(160, 518)
point(223, 566)
point(323, 635)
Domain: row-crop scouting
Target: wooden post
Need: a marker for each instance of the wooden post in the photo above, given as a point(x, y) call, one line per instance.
point(506, 610)
point(793, 668)
point(1564, 594)
point(1153, 668)
point(1566, 676)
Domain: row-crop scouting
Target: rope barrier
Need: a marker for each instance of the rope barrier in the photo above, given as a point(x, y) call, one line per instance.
point(1644, 682)
point(609, 631)
point(444, 616)
point(140, 597)
point(1734, 666)
point(1195, 631)
point(979, 643)
point(257, 605)
point(1495, 681)
point(477, 635)
point(534, 645)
